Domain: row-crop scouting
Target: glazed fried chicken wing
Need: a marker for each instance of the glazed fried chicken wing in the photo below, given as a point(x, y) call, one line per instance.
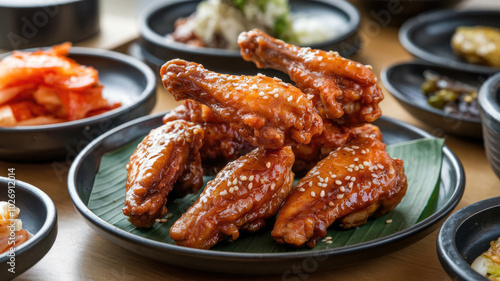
point(264, 111)
point(242, 195)
point(343, 90)
point(354, 182)
point(221, 143)
point(192, 111)
point(167, 159)
point(332, 137)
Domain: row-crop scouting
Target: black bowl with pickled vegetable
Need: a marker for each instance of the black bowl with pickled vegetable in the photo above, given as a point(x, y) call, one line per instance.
point(158, 21)
point(466, 235)
point(489, 104)
point(445, 99)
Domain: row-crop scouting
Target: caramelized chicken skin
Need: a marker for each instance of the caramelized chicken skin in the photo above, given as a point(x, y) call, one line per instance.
point(192, 111)
point(343, 90)
point(356, 181)
point(221, 143)
point(242, 195)
point(264, 111)
point(333, 136)
point(167, 159)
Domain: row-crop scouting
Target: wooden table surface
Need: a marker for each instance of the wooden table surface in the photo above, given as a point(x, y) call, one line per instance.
point(80, 254)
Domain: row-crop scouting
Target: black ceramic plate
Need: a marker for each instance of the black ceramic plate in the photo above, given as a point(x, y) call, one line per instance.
point(125, 79)
point(158, 20)
point(428, 36)
point(32, 23)
point(467, 234)
point(404, 82)
point(81, 178)
point(39, 217)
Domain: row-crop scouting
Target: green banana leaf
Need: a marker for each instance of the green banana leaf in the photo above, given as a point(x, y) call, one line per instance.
point(422, 159)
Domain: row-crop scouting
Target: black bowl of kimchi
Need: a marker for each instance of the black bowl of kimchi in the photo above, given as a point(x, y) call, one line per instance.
point(125, 80)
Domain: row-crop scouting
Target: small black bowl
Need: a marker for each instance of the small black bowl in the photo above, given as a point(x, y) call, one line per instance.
point(32, 23)
point(39, 217)
point(125, 79)
point(428, 36)
point(394, 13)
point(157, 21)
point(467, 234)
point(404, 82)
point(489, 105)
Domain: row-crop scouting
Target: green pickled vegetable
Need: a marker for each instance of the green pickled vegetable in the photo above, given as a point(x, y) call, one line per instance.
point(429, 87)
point(442, 97)
point(452, 96)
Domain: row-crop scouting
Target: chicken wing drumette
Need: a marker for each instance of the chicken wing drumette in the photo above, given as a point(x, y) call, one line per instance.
point(167, 159)
point(221, 143)
point(354, 182)
point(264, 111)
point(242, 195)
point(343, 90)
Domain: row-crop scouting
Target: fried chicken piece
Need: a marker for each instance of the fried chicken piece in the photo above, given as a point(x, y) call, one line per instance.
point(242, 196)
point(192, 111)
point(167, 159)
point(343, 90)
point(333, 136)
point(356, 181)
point(221, 143)
point(307, 155)
point(266, 112)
